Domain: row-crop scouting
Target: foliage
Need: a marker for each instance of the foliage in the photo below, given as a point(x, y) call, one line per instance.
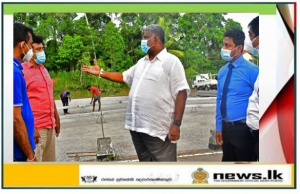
point(195, 38)
point(64, 80)
point(202, 37)
point(70, 51)
point(112, 47)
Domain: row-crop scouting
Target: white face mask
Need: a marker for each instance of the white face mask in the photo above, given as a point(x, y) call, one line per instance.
point(250, 49)
point(28, 55)
point(255, 49)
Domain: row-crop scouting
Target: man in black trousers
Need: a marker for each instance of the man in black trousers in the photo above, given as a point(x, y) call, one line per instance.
point(65, 96)
point(235, 85)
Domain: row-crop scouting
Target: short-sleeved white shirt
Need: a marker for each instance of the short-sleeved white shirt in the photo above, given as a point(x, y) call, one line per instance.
point(154, 88)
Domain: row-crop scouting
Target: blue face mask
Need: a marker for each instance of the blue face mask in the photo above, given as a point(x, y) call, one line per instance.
point(144, 45)
point(225, 54)
point(255, 51)
point(40, 57)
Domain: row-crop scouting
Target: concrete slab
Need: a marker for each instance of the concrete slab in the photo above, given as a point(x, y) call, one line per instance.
point(79, 134)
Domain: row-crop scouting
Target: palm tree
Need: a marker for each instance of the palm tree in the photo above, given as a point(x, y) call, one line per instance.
point(169, 38)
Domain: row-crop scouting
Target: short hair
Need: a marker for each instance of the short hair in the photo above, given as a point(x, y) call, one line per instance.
point(157, 30)
point(37, 39)
point(254, 25)
point(88, 87)
point(21, 33)
point(238, 36)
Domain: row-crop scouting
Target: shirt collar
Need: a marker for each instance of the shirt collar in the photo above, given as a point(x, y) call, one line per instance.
point(160, 56)
point(18, 64)
point(238, 61)
point(30, 65)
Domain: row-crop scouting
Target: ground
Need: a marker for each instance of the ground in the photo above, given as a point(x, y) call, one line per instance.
point(79, 132)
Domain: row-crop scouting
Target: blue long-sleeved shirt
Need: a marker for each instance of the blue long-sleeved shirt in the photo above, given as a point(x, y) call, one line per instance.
point(240, 88)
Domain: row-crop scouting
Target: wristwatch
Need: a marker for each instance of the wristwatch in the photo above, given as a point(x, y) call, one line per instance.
point(177, 122)
point(101, 72)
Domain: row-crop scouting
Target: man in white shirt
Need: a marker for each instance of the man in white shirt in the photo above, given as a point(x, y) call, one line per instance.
point(253, 107)
point(157, 97)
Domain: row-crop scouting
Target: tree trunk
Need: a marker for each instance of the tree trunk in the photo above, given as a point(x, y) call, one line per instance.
point(111, 60)
point(80, 74)
point(72, 66)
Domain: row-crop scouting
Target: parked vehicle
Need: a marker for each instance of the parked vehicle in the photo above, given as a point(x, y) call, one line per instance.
point(205, 82)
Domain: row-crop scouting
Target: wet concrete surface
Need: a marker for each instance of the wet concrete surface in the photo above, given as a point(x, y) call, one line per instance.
point(80, 133)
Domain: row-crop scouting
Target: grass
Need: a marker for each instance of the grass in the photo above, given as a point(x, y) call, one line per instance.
point(71, 81)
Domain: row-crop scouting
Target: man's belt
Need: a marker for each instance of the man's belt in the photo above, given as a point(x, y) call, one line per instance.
point(234, 123)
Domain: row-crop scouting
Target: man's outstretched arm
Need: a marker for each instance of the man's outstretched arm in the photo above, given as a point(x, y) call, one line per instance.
point(95, 70)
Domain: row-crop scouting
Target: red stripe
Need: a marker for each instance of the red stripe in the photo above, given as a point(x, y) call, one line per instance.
point(282, 110)
point(286, 116)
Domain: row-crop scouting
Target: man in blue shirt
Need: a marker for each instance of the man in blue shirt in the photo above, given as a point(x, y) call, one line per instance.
point(24, 142)
point(235, 85)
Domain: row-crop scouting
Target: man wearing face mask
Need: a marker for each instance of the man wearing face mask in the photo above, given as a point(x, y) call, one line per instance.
point(40, 93)
point(253, 107)
point(156, 100)
point(254, 35)
point(24, 144)
point(235, 85)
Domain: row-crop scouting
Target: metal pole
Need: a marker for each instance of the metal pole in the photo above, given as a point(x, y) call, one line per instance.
point(87, 22)
point(102, 122)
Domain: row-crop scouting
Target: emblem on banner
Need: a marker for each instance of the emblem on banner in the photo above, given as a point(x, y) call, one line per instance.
point(200, 176)
point(89, 179)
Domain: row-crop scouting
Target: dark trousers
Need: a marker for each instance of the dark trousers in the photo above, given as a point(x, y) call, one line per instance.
point(150, 148)
point(238, 143)
point(97, 98)
point(65, 102)
point(256, 141)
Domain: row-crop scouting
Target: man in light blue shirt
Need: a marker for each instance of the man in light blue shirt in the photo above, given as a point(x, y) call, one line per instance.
point(235, 85)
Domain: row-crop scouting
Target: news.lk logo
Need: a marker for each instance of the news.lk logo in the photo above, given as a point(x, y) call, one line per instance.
point(270, 176)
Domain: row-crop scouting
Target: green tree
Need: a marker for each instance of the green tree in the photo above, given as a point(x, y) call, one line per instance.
point(98, 21)
point(202, 37)
point(132, 25)
point(231, 24)
point(113, 47)
point(51, 52)
point(71, 51)
point(170, 39)
point(52, 27)
point(131, 31)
